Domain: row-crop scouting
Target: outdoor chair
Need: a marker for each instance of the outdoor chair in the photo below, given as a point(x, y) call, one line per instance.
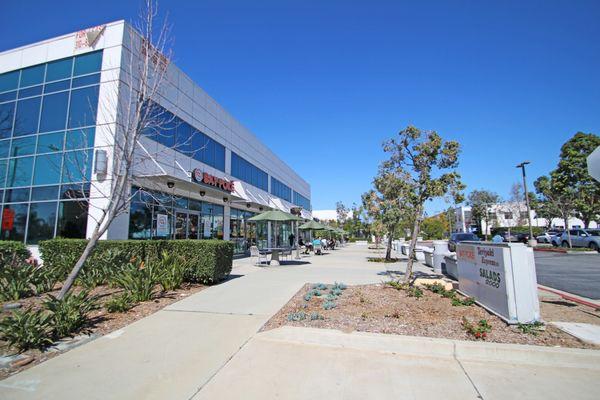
point(260, 258)
point(287, 253)
point(317, 247)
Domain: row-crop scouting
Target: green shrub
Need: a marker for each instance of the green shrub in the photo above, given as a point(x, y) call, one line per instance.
point(15, 280)
point(315, 316)
point(138, 280)
point(27, 329)
point(336, 291)
point(172, 271)
point(467, 301)
point(43, 279)
point(296, 316)
point(70, 314)
point(308, 296)
point(319, 286)
point(10, 249)
point(340, 286)
point(532, 328)
point(120, 303)
point(207, 261)
point(328, 305)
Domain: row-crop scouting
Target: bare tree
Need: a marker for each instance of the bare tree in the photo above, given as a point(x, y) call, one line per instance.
point(143, 76)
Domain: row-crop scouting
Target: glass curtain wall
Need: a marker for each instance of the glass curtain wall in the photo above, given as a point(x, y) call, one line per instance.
point(242, 232)
point(47, 127)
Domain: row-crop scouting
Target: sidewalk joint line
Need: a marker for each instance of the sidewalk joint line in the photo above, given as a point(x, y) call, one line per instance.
point(465, 372)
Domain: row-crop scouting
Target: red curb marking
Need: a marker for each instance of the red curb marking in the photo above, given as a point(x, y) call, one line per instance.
point(571, 298)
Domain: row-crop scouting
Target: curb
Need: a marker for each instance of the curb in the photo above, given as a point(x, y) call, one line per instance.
point(414, 346)
point(570, 296)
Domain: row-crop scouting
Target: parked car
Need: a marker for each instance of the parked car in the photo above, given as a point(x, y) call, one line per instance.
point(515, 237)
point(456, 238)
point(546, 237)
point(579, 238)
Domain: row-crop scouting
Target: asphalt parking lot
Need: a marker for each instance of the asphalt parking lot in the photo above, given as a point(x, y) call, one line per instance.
point(573, 273)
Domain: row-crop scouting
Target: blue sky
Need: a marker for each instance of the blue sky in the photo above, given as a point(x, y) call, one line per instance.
point(323, 83)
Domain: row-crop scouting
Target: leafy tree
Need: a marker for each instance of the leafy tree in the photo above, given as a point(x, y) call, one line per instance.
point(384, 206)
point(423, 167)
point(556, 200)
point(342, 213)
point(435, 227)
point(480, 202)
point(572, 172)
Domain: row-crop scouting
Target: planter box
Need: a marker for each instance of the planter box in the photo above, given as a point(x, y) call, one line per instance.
point(450, 266)
point(428, 257)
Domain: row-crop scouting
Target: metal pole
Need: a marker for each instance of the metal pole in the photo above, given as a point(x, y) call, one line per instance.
point(532, 240)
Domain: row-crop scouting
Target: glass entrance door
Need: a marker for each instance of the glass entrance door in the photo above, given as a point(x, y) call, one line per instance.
point(193, 222)
point(180, 225)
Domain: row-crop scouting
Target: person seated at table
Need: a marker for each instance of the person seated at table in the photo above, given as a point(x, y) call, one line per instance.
point(324, 243)
point(332, 244)
point(317, 245)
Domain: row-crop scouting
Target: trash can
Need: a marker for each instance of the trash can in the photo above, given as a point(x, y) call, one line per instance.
point(440, 249)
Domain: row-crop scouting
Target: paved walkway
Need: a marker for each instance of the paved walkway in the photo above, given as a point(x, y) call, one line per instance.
point(207, 346)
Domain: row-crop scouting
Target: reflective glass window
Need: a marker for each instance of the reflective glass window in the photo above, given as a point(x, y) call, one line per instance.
point(4, 148)
point(79, 139)
point(59, 69)
point(19, 172)
point(219, 156)
point(7, 111)
point(47, 169)
point(88, 63)
point(42, 219)
point(17, 195)
point(184, 139)
point(57, 86)
point(33, 75)
point(85, 80)
point(30, 91)
point(50, 142)
point(26, 119)
point(72, 219)
point(8, 96)
point(75, 191)
point(54, 112)
point(41, 193)
point(140, 221)
point(77, 166)
point(3, 164)
point(83, 107)
point(22, 146)
point(210, 152)
point(9, 81)
point(17, 215)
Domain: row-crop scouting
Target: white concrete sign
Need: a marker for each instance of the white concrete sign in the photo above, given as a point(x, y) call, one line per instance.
point(501, 277)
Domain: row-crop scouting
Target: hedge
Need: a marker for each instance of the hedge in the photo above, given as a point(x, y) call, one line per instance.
point(209, 261)
point(9, 248)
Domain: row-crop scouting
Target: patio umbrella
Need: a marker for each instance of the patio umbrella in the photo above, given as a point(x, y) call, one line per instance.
point(275, 216)
point(311, 226)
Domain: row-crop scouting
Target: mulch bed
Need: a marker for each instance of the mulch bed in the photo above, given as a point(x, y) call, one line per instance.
point(101, 321)
point(381, 308)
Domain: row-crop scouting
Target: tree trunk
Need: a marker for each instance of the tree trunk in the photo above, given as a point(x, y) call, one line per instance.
point(78, 265)
point(388, 252)
point(566, 221)
point(411, 248)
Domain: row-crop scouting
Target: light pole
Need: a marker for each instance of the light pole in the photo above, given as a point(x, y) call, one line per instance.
point(532, 241)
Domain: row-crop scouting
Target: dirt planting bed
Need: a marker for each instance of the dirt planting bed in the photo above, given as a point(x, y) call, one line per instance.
point(381, 308)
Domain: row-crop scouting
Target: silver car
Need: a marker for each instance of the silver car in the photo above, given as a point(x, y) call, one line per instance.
point(580, 238)
point(546, 237)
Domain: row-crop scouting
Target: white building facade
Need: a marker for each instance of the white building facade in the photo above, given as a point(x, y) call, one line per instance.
point(201, 178)
point(508, 215)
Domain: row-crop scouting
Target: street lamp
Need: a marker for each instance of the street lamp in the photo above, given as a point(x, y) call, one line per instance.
point(532, 241)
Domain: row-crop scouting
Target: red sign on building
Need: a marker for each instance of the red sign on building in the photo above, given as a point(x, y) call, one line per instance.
point(211, 180)
point(8, 219)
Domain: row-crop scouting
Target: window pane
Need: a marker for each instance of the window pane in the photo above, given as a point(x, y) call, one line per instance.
point(23, 146)
point(88, 63)
point(9, 81)
point(44, 193)
point(54, 112)
point(84, 103)
point(140, 221)
point(60, 69)
point(219, 156)
point(210, 152)
point(57, 86)
point(72, 219)
point(28, 113)
point(32, 75)
point(16, 214)
point(16, 195)
point(47, 169)
point(42, 218)
point(7, 111)
point(19, 172)
point(51, 142)
point(30, 92)
point(79, 139)
point(77, 166)
point(8, 96)
point(3, 164)
point(85, 80)
point(75, 191)
point(184, 139)
point(4, 148)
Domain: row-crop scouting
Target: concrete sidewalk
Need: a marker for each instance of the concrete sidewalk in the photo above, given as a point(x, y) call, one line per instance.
point(298, 363)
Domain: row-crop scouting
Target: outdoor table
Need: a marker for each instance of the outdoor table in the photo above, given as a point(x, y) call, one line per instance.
point(274, 254)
